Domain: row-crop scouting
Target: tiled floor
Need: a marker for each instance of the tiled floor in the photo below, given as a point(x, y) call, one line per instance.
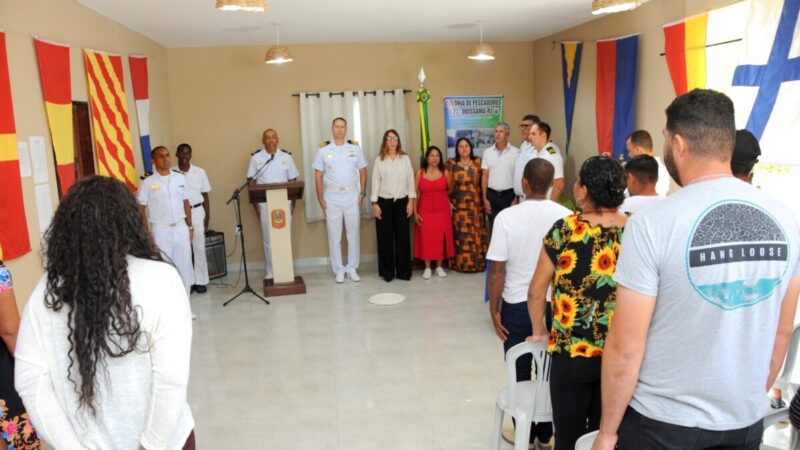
point(329, 370)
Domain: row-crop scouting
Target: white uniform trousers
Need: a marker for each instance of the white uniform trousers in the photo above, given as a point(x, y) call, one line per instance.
point(263, 215)
point(199, 246)
point(343, 205)
point(174, 242)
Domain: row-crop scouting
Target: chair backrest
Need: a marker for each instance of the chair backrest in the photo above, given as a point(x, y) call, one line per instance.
point(586, 441)
point(537, 349)
point(784, 379)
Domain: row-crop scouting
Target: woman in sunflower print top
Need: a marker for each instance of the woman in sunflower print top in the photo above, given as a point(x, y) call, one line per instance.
point(16, 431)
point(578, 258)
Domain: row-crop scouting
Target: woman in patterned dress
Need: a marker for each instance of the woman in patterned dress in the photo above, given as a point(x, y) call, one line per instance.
point(578, 258)
point(469, 221)
point(15, 427)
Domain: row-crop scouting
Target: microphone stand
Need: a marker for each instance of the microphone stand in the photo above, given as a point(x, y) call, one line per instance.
point(238, 208)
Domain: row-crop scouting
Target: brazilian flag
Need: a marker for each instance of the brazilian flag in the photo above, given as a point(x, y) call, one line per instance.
point(423, 97)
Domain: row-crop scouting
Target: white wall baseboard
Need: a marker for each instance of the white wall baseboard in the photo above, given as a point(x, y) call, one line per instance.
point(305, 263)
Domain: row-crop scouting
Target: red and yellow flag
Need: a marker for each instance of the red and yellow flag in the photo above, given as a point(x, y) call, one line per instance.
point(14, 241)
point(685, 50)
point(57, 88)
point(112, 130)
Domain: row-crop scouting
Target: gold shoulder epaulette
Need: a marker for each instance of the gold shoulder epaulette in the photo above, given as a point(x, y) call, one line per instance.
point(284, 151)
point(551, 150)
point(324, 143)
point(352, 142)
point(251, 154)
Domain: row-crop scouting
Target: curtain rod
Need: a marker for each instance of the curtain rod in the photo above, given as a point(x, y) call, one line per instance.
point(331, 94)
point(709, 45)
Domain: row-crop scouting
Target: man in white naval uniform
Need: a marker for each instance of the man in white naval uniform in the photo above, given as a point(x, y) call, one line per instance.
point(539, 137)
point(341, 183)
point(165, 209)
point(270, 165)
point(197, 189)
point(526, 153)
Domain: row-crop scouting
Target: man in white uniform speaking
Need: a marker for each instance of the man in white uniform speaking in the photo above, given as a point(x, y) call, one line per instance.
point(270, 165)
point(197, 189)
point(165, 208)
point(340, 172)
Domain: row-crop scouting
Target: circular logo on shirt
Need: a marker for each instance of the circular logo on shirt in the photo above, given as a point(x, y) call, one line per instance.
point(737, 254)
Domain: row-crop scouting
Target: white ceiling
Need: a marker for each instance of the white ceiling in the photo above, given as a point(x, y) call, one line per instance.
point(196, 23)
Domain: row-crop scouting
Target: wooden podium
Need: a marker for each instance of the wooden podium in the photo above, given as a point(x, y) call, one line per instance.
point(278, 196)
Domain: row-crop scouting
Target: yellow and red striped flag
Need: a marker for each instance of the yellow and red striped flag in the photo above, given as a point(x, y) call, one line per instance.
point(14, 240)
point(112, 130)
point(57, 88)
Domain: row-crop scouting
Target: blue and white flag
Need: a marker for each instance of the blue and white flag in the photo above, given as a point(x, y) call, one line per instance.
point(766, 83)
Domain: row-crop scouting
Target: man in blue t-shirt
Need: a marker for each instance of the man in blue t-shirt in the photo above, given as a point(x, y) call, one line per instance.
point(707, 289)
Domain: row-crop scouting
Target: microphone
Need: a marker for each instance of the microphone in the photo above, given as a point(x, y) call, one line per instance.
point(260, 169)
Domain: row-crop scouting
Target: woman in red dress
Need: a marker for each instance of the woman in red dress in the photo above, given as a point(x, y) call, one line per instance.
point(433, 234)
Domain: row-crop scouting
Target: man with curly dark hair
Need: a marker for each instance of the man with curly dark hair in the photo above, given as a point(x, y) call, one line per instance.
point(102, 358)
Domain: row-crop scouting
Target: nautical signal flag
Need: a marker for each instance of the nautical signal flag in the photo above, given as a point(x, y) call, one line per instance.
point(57, 89)
point(615, 94)
point(570, 68)
point(112, 130)
point(14, 240)
point(141, 96)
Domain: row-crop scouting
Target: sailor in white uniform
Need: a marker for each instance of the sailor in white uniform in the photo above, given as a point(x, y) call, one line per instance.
point(197, 189)
point(340, 181)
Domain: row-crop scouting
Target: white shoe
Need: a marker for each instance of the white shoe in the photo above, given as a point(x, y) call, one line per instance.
point(427, 274)
point(354, 275)
point(441, 272)
point(340, 277)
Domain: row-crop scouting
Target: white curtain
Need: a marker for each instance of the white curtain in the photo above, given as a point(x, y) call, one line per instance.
point(380, 110)
point(316, 113)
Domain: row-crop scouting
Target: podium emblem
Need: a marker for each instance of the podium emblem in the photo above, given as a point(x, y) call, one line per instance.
point(278, 219)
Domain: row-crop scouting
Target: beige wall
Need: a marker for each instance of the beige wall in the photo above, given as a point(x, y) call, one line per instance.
point(69, 22)
point(223, 97)
point(653, 93)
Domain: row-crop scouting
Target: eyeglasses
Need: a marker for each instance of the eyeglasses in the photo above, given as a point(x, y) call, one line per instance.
point(525, 126)
point(392, 138)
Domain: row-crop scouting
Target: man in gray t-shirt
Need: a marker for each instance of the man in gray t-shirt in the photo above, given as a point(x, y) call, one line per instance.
point(707, 289)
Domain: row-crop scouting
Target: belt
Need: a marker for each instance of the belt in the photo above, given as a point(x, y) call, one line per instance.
point(175, 224)
point(504, 191)
point(197, 205)
point(335, 188)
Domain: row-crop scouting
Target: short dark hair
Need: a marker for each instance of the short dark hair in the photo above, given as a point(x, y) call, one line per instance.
point(644, 168)
point(641, 138)
point(539, 173)
point(183, 146)
point(544, 126)
point(705, 120)
point(339, 118)
point(746, 151)
point(532, 117)
point(440, 166)
point(157, 148)
point(604, 180)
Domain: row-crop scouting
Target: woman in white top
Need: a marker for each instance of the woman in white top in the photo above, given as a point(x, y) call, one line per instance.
point(102, 357)
point(393, 196)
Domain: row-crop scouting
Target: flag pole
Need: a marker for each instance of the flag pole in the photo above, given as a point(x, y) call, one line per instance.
point(423, 97)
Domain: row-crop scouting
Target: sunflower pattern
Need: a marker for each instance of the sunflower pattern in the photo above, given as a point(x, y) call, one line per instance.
point(17, 432)
point(584, 292)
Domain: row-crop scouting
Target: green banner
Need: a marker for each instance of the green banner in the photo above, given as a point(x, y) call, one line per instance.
point(423, 97)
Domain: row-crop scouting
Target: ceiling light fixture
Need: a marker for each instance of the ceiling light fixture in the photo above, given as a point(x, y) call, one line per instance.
point(242, 5)
point(613, 6)
point(482, 52)
point(278, 54)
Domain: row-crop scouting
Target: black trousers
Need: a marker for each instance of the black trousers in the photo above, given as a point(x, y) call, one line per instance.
point(499, 200)
point(515, 317)
point(575, 392)
point(394, 242)
point(638, 432)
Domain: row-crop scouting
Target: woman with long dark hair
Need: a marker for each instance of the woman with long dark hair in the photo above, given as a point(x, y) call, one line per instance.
point(433, 235)
point(104, 343)
point(393, 196)
point(469, 221)
point(578, 258)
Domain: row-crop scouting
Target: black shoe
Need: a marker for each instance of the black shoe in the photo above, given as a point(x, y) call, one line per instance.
point(200, 289)
point(388, 279)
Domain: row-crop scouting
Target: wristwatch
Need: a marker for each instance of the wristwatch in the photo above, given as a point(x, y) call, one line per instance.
point(363, 194)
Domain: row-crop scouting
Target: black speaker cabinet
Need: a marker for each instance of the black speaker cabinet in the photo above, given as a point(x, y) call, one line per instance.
point(215, 254)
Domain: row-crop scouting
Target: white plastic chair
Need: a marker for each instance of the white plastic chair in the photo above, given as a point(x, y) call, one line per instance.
point(525, 401)
point(586, 441)
point(784, 381)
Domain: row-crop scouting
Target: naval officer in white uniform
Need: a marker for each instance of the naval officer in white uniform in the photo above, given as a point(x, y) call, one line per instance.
point(197, 189)
point(340, 172)
point(165, 208)
point(270, 165)
point(539, 138)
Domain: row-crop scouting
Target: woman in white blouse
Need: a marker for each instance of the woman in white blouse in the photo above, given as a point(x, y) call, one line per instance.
point(102, 357)
point(393, 195)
